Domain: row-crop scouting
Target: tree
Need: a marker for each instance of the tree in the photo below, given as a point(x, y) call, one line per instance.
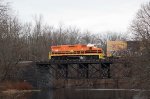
point(10, 44)
point(73, 35)
point(140, 28)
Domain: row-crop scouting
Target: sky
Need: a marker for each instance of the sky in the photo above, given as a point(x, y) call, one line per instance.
point(92, 15)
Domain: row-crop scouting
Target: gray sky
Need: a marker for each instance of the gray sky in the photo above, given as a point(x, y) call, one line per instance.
point(93, 15)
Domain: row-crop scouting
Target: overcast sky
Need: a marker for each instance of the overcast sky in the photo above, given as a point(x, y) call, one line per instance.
point(93, 15)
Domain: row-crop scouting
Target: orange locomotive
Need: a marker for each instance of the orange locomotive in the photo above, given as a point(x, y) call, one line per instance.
point(77, 51)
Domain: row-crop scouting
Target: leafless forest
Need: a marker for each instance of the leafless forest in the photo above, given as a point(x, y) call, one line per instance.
point(31, 41)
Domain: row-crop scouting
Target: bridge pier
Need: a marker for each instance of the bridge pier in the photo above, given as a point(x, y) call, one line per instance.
point(105, 70)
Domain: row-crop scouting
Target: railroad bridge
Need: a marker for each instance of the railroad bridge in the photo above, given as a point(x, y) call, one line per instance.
point(83, 69)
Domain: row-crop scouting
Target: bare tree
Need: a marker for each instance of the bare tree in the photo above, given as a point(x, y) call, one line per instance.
point(10, 43)
point(73, 35)
point(140, 28)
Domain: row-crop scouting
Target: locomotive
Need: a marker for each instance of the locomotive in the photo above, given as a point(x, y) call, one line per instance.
point(76, 52)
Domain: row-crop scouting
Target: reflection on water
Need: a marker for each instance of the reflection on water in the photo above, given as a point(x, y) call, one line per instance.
point(82, 94)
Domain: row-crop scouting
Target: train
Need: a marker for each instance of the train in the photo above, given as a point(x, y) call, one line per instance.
point(76, 52)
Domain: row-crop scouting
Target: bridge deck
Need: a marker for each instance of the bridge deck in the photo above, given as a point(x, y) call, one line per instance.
point(108, 60)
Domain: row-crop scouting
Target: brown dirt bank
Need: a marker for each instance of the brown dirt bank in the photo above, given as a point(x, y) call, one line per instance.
point(15, 85)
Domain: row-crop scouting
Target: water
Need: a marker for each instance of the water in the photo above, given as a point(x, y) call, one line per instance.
point(83, 94)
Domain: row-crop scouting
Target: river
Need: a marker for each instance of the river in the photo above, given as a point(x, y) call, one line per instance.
point(83, 94)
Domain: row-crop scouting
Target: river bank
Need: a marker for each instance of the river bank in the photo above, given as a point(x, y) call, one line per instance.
point(15, 91)
point(15, 88)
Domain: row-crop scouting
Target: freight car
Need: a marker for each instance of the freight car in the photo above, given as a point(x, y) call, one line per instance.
point(77, 52)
